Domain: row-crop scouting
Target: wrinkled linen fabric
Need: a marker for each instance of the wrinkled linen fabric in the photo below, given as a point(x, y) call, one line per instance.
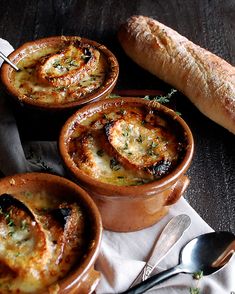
point(122, 255)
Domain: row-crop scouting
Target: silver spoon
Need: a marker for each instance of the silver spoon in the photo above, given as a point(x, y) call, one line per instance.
point(8, 61)
point(169, 236)
point(207, 253)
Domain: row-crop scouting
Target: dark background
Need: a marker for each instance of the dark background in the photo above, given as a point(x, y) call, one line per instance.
point(208, 23)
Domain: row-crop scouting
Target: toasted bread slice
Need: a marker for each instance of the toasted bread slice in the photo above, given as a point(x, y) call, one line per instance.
point(81, 151)
point(140, 145)
point(28, 244)
point(66, 225)
point(69, 66)
point(21, 233)
point(85, 152)
point(89, 154)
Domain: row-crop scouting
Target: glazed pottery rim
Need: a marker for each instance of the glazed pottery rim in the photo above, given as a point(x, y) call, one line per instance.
point(20, 52)
point(76, 273)
point(114, 190)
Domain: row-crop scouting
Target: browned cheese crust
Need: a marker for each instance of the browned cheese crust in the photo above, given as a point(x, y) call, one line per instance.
point(46, 242)
point(68, 66)
point(206, 79)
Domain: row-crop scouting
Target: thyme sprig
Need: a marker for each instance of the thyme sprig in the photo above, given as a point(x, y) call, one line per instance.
point(113, 95)
point(160, 98)
point(194, 291)
point(196, 276)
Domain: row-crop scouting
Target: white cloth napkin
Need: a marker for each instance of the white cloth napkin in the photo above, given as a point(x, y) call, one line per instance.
point(122, 255)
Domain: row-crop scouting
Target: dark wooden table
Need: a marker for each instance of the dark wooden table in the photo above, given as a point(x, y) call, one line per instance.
point(207, 23)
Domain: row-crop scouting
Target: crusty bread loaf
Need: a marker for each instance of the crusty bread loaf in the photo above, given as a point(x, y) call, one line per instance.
point(206, 79)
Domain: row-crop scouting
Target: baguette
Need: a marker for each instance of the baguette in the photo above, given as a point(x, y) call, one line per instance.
point(206, 79)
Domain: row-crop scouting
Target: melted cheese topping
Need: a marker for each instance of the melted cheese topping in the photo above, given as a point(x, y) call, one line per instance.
point(29, 84)
point(139, 144)
point(125, 147)
point(34, 253)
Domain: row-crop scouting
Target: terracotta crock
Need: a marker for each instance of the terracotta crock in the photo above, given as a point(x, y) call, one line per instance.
point(130, 208)
point(82, 278)
point(29, 47)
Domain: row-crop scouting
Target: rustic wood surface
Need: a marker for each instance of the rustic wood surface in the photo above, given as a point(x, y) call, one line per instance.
point(206, 22)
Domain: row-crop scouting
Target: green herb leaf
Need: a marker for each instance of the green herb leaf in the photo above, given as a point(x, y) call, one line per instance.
point(57, 65)
point(125, 133)
point(194, 291)
point(85, 57)
point(7, 217)
point(125, 146)
point(100, 152)
point(147, 97)
point(162, 99)
point(178, 113)
point(105, 116)
point(153, 145)
point(114, 164)
point(139, 139)
point(10, 223)
point(11, 233)
point(139, 182)
point(23, 225)
point(198, 275)
point(122, 111)
point(150, 152)
point(73, 63)
point(60, 89)
point(112, 95)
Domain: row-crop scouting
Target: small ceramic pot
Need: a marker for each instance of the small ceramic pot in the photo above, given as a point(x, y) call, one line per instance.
point(82, 278)
point(130, 208)
point(28, 48)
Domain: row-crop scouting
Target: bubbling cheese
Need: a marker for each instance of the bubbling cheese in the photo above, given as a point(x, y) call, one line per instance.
point(38, 249)
point(65, 84)
point(125, 147)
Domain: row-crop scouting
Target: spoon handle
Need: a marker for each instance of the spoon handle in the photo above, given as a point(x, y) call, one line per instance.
point(169, 236)
point(8, 61)
point(154, 280)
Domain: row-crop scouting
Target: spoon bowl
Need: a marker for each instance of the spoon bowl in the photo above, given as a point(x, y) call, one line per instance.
point(207, 253)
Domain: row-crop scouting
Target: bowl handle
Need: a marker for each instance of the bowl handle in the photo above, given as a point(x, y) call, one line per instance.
point(177, 190)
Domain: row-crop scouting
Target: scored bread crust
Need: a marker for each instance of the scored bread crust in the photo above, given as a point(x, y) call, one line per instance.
point(206, 79)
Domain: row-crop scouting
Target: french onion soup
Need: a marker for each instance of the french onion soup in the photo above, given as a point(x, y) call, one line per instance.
point(126, 146)
point(62, 72)
point(41, 238)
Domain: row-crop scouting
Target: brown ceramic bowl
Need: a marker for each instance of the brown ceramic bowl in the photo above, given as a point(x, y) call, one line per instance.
point(130, 208)
point(82, 278)
point(26, 51)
